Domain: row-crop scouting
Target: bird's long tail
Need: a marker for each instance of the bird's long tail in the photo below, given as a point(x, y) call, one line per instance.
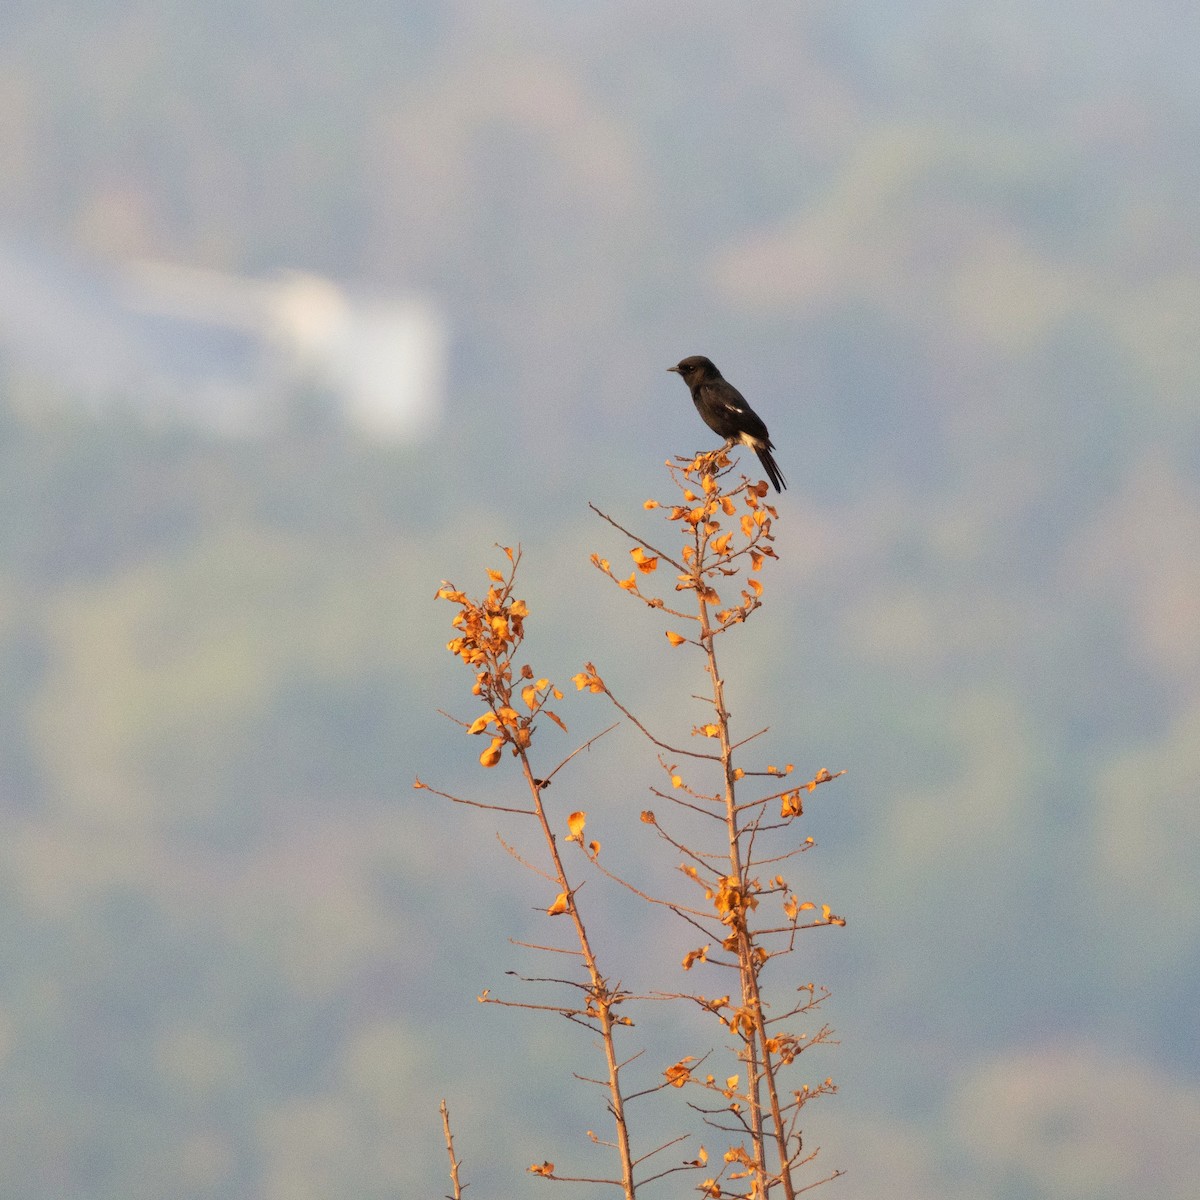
point(774, 474)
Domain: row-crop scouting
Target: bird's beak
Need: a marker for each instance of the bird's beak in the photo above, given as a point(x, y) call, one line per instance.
point(675, 369)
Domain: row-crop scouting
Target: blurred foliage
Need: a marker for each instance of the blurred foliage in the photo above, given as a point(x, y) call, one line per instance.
point(948, 251)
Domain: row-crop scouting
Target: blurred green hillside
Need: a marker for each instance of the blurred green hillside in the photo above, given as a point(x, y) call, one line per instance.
point(949, 252)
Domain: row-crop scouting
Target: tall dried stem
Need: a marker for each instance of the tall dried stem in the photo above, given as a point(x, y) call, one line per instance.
point(718, 549)
point(490, 632)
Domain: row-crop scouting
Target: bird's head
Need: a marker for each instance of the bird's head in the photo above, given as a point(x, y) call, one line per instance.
point(695, 369)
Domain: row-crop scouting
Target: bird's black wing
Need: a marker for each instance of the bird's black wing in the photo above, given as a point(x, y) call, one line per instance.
point(726, 411)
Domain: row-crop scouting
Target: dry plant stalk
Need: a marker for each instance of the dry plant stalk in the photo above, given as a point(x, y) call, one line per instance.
point(491, 631)
point(455, 1162)
point(727, 539)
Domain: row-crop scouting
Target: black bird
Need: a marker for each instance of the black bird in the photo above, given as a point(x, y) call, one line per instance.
point(726, 412)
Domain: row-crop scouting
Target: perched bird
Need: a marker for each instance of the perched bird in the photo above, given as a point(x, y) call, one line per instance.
point(726, 412)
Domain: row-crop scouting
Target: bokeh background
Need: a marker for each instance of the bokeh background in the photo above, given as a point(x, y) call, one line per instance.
point(303, 306)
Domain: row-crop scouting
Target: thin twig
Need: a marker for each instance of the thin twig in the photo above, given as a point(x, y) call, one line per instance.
point(578, 750)
point(637, 1162)
point(526, 863)
point(656, 741)
point(739, 745)
point(684, 804)
point(548, 949)
point(455, 1163)
point(671, 904)
point(633, 537)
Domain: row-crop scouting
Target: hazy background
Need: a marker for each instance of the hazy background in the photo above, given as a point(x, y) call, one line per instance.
point(305, 305)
